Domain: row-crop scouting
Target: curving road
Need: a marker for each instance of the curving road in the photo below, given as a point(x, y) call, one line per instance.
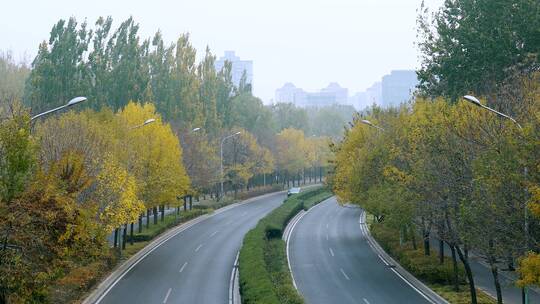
point(194, 266)
point(332, 262)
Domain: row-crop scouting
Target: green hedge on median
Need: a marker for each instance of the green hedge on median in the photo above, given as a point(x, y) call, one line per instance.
point(264, 272)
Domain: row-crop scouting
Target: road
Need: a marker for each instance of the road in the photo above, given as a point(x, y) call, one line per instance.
point(332, 262)
point(483, 278)
point(194, 266)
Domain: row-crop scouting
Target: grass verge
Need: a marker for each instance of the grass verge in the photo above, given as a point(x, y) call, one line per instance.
point(264, 272)
point(428, 269)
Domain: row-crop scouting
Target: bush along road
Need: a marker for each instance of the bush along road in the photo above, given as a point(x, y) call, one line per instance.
point(264, 272)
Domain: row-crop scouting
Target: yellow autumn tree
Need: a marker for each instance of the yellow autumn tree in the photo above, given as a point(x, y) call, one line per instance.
point(153, 154)
point(116, 195)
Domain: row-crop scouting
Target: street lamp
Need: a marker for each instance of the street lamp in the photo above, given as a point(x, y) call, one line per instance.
point(70, 103)
point(146, 122)
point(221, 154)
point(476, 102)
point(123, 245)
point(369, 123)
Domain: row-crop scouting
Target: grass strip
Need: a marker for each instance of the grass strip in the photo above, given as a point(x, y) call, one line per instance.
point(264, 272)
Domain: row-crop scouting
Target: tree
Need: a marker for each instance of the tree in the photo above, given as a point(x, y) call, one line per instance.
point(12, 78)
point(470, 45)
point(59, 72)
point(291, 153)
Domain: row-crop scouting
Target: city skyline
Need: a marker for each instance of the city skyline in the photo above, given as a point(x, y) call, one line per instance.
point(390, 90)
point(357, 42)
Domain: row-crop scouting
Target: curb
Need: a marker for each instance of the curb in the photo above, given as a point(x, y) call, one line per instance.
point(234, 287)
point(117, 274)
point(394, 266)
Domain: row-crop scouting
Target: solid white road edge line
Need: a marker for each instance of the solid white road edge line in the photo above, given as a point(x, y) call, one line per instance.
point(289, 238)
point(363, 228)
point(180, 229)
point(199, 247)
point(231, 281)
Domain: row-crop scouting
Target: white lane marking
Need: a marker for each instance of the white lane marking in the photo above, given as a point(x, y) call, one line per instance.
point(327, 236)
point(197, 249)
point(331, 251)
point(326, 225)
point(344, 274)
point(366, 301)
point(290, 236)
point(176, 231)
point(364, 229)
point(214, 233)
point(167, 295)
point(183, 266)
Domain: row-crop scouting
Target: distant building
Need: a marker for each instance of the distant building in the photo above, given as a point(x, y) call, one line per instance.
point(340, 94)
point(289, 93)
point(374, 94)
point(359, 101)
point(394, 89)
point(398, 87)
point(332, 94)
point(238, 67)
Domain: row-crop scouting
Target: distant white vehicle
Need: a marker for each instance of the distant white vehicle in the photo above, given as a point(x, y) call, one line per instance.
point(293, 191)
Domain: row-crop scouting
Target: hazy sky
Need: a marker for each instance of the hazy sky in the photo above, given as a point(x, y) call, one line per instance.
point(307, 42)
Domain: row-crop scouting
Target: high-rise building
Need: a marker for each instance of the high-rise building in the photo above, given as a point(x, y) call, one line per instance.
point(289, 93)
point(332, 94)
point(398, 87)
point(238, 67)
point(341, 94)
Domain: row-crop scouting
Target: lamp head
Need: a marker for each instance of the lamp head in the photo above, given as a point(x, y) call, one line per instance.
point(148, 121)
point(472, 100)
point(76, 100)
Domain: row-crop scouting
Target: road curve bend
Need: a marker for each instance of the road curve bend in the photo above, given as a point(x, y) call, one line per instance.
point(332, 262)
point(195, 265)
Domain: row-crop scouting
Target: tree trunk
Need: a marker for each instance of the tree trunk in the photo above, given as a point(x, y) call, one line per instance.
point(155, 211)
point(190, 202)
point(495, 273)
point(465, 260)
point(427, 249)
point(185, 203)
point(131, 234)
point(162, 212)
point(456, 269)
point(441, 252)
point(115, 238)
point(413, 238)
point(147, 218)
point(140, 223)
point(124, 237)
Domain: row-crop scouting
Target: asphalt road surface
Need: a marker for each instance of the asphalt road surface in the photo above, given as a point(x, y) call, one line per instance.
point(194, 266)
point(332, 262)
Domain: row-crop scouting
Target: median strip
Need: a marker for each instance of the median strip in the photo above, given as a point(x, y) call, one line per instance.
point(264, 272)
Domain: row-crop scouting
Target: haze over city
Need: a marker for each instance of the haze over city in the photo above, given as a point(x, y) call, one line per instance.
point(308, 43)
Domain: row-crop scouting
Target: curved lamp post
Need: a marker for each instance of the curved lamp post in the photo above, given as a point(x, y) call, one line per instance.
point(476, 102)
point(369, 123)
point(221, 154)
point(70, 103)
